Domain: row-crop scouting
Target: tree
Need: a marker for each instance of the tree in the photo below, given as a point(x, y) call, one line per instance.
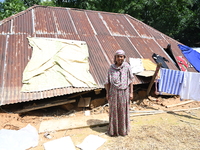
point(191, 33)
point(10, 7)
point(178, 19)
point(29, 3)
point(47, 3)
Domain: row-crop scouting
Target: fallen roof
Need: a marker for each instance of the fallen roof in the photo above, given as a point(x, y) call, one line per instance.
point(103, 32)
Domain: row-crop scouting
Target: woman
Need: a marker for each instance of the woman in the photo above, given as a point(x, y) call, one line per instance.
point(119, 92)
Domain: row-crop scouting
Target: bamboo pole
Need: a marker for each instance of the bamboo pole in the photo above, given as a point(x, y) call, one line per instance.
point(183, 103)
point(159, 112)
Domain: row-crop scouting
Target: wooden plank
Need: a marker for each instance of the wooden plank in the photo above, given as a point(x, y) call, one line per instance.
point(160, 112)
point(183, 103)
point(144, 114)
point(147, 111)
point(153, 78)
point(169, 111)
point(73, 123)
point(52, 103)
point(46, 105)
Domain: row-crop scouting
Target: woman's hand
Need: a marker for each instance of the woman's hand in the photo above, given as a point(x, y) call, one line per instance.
point(131, 96)
point(107, 97)
point(107, 86)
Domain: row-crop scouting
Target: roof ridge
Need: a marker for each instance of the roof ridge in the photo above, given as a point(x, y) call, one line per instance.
point(16, 15)
point(151, 28)
point(35, 6)
point(24, 11)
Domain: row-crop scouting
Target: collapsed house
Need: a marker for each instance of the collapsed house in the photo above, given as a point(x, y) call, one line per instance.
point(102, 32)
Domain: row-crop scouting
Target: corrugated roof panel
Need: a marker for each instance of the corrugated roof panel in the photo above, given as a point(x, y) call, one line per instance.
point(23, 24)
point(139, 27)
point(69, 37)
point(142, 46)
point(11, 80)
point(81, 22)
point(45, 35)
point(4, 73)
point(109, 45)
point(2, 59)
point(98, 23)
point(14, 65)
point(63, 24)
point(118, 25)
point(44, 21)
point(103, 32)
point(98, 63)
point(24, 52)
point(5, 27)
point(162, 43)
point(128, 47)
point(156, 34)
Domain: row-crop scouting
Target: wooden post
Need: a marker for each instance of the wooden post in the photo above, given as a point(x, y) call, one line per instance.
point(153, 78)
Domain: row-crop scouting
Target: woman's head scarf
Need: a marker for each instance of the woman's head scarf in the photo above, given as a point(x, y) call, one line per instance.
point(119, 52)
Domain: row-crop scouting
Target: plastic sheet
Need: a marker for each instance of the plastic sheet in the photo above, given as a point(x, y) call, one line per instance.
point(22, 139)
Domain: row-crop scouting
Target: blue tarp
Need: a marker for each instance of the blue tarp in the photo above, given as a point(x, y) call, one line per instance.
point(192, 56)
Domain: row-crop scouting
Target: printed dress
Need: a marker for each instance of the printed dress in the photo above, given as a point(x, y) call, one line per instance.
point(119, 79)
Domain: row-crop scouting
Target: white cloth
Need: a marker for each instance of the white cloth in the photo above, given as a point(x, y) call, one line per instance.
point(190, 88)
point(22, 139)
point(196, 49)
point(64, 143)
point(136, 65)
point(91, 142)
point(57, 63)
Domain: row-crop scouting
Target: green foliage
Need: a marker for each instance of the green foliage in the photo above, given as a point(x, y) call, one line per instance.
point(47, 3)
point(191, 33)
point(179, 19)
point(10, 7)
point(81, 4)
point(29, 3)
point(169, 16)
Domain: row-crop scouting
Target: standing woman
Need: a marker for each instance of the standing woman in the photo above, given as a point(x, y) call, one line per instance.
point(119, 92)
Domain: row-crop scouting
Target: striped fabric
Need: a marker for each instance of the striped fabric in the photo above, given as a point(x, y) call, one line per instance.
point(170, 81)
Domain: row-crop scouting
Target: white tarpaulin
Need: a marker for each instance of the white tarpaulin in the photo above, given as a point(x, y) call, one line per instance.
point(136, 65)
point(91, 142)
point(64, 143)
point(57, 63)
point(22, 139)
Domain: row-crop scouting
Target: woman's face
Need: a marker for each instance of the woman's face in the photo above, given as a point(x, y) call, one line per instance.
point(119, 59)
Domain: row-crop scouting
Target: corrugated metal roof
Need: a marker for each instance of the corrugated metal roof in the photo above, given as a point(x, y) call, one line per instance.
point(104, 33)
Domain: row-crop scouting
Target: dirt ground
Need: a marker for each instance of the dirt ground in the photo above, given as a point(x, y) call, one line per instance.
point(171, 130)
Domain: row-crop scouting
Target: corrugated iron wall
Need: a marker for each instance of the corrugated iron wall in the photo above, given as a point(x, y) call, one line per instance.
point(104, 33)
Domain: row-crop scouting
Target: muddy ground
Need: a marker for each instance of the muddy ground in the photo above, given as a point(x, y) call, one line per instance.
point(171, 130)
